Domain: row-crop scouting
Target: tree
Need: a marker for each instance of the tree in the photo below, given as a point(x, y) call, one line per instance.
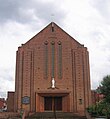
point(102, 107)
point(105, 88)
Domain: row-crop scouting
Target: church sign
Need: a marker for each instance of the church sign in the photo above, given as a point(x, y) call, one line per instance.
point(25, 100)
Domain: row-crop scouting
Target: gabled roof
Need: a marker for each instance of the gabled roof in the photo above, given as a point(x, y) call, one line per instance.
point(51, 25)
point(66, 33)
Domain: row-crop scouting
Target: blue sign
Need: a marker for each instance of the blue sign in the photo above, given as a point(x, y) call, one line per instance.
point(25, 100)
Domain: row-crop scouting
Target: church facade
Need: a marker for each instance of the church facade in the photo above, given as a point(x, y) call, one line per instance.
point(52, 73)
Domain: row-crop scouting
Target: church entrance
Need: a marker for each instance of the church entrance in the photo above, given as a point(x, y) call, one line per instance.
point(53, 103)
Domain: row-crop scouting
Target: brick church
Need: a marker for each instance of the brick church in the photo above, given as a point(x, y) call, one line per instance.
point(52, 73)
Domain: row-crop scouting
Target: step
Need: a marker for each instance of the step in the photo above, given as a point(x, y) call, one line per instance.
point(57, 115)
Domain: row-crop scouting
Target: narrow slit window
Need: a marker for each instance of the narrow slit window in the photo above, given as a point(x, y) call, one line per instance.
point(46, 60)
point(52, 27)
point(59, 60)
point(80, 101)
point(53, 57)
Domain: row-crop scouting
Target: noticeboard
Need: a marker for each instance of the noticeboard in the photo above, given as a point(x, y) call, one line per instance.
point(25, 100)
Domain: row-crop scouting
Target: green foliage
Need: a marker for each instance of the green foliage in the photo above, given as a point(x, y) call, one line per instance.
point(100, 109)
point(92, 110)
point(105, 88)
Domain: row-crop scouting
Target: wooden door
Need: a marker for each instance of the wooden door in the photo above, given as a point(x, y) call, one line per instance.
point(53, 103)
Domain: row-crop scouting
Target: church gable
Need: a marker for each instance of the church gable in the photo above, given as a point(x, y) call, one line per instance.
point(52, 32)
point(52, 67)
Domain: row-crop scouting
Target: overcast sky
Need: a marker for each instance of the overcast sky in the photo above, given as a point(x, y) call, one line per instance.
point(88, 21)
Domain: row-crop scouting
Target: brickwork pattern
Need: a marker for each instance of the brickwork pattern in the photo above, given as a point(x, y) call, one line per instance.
point(70, 68)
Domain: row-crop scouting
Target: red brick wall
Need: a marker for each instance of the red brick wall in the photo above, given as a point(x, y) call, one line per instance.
point(30, 70)
point(10, 102)
point(1, 104)
point(96, 97)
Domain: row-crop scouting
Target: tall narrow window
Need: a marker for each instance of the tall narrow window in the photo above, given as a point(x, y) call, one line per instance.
point(46, 60)
point(52, 27)
point(80, 101)
point(59, 60)
point(53, 57)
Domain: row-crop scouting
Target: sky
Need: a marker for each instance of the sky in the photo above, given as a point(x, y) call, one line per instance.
point(88, 21)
